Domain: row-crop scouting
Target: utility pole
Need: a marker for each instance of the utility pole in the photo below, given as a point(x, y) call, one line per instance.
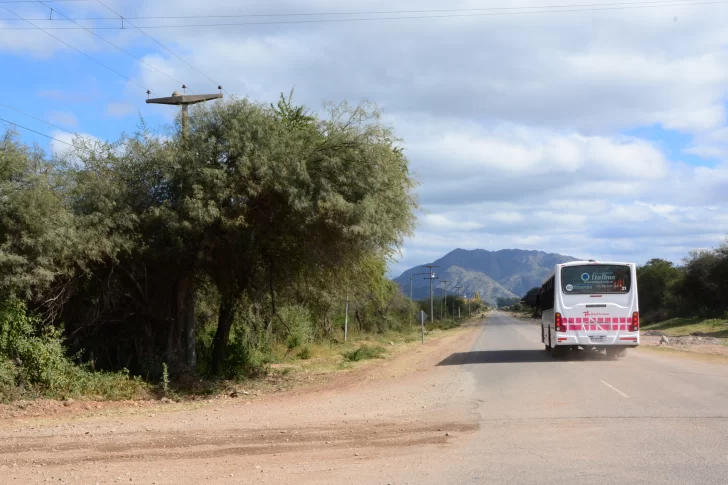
point(432, 277)
point(412, 276)
point(185, 289)
point(455, 300)
point(184, 100)
point(444, 296)
point(346, 317)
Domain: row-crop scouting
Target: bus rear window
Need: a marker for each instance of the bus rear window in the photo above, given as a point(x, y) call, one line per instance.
point(595, 279)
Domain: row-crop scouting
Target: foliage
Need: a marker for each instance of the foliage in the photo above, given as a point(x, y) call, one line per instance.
point(33, 363)
point(305, 353)
point(657, 283)
point(195, 252)
point(37, 237)
point(365, 352)
point(698, 288)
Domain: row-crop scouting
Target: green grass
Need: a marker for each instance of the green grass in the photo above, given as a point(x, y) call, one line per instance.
point(675, 327)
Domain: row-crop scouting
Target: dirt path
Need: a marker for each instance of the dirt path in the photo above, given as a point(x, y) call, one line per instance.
point(385, 411)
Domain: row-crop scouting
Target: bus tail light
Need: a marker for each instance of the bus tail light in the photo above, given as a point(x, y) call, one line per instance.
point(559, 323)
point(635, 326)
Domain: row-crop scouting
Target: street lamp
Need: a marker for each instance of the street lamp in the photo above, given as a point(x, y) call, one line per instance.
point(454, 300)
point(412, 276)
point(444, 293)
point(432, 277)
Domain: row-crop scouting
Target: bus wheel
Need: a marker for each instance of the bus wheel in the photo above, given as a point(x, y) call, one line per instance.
point(615, 352)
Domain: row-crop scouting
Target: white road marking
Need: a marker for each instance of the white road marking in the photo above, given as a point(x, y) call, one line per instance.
point(614, 389)
point(570, 362)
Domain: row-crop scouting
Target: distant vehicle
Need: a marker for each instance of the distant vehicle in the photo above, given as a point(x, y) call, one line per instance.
point(590, 304)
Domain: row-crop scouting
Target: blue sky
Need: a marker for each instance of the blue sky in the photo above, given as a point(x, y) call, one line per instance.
point(598, 134)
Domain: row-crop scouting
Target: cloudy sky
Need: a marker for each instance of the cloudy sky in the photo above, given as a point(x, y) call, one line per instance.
point(591, 129)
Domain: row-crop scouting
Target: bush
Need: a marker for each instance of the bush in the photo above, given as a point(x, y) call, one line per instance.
point(34, 363)
point(305, 353)
point(365, 352)
point(298, 325)
point(293, 341)
point(242, 360)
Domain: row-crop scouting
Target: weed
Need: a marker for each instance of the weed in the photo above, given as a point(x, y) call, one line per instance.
point(165, 379)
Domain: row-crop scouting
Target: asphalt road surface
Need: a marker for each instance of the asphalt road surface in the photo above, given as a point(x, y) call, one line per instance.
point(642, 419)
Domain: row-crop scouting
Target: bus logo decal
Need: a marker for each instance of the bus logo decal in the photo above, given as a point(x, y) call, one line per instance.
point(585, 277)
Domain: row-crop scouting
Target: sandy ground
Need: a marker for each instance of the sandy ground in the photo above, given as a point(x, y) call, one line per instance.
point(348, 426)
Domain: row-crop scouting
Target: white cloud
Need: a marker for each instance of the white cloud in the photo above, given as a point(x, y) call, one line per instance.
point(120, 110)
point(63, 143)
point(66, 118)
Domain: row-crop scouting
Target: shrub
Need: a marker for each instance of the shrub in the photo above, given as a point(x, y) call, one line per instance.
point(364, 352)
point(305, 353)
point(293, 341)
point(34, 362)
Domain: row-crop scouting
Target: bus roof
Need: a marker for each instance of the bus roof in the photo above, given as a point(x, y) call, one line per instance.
point(583, 263)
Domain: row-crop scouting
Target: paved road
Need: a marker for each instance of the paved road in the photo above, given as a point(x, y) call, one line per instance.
point(643, 419)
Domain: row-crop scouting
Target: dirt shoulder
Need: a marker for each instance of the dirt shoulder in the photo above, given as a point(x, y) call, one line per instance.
point(324, 370)
point(381, 409)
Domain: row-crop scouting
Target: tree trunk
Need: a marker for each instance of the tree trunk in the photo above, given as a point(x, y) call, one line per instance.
point(176, 326)
point(181, 338)
point(189, 328)
point(222, 335)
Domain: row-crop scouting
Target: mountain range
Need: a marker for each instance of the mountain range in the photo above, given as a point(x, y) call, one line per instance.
point(507, 273)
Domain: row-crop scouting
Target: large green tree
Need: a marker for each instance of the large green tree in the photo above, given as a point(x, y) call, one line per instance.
point(37, 237)
point(282, 195)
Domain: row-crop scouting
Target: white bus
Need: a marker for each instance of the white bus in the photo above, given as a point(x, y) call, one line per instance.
point(590, 304)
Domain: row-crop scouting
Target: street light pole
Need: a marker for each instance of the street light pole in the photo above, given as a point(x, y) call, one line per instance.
point(455, 300)
point(444, 294)
point(432, 277)
point(412, 276)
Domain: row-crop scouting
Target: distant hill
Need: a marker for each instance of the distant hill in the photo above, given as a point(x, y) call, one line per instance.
point(493, 274)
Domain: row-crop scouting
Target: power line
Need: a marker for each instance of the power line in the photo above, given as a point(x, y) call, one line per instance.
point(36, 132)
point(34, 1)
point(385, 12)
point(114, 45)
point(158, 43)
point(38, 119)
point(75, 49)
point(555, 9)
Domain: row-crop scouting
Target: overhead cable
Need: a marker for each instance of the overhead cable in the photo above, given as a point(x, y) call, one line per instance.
point(75, 49)
point(36, 132)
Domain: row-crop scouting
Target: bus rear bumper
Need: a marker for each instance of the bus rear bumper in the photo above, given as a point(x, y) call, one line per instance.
point(625, 340)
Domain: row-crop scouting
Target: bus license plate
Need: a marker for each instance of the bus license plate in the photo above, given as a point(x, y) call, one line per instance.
point(597, 338)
